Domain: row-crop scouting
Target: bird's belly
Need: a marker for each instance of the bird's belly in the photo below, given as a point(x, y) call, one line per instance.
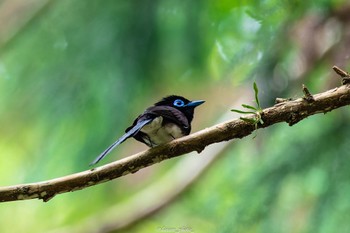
point(157, 133)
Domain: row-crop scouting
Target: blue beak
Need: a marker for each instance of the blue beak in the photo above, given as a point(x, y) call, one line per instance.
point(195, 103)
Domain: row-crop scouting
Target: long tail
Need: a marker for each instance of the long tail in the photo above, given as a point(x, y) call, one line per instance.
point(134, 130)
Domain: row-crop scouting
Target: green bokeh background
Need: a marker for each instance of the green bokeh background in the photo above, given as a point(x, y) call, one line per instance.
point(78, 73)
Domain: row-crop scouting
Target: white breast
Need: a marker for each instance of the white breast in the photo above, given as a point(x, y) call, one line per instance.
point(156, 134)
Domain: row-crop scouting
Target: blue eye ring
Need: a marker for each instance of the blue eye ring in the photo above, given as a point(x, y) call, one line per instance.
point(179, 103)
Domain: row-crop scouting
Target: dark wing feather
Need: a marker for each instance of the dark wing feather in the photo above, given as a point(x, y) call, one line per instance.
point(171, 114)
point(131, 132)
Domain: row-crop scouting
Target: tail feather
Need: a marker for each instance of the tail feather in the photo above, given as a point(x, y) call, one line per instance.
point(134, 130)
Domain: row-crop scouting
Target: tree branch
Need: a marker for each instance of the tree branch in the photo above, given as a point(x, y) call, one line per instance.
point(290, 111)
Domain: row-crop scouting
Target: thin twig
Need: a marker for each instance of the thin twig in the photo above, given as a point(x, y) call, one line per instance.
point(341, 72)
point(307, 95)
point(345, 75)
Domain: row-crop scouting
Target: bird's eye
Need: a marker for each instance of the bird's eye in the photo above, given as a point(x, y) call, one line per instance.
point(179, 103)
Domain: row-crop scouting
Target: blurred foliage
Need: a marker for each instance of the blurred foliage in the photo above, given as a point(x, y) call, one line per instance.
point(78, 73)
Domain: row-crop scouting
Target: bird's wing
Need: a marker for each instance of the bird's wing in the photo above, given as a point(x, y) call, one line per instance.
point(171, 114)
point(131, 132)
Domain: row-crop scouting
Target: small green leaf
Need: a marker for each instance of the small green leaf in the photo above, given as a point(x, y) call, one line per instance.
point(249, 107)
point(252, 121)
point(256, 90)
point(242, 112)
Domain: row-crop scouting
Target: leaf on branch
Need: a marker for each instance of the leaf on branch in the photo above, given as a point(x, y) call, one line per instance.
point(256, 90)
point(249, 107)
point(242, 112)
point(249, 120)
point(256, 110)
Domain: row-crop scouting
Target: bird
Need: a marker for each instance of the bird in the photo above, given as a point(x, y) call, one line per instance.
point(166, 120)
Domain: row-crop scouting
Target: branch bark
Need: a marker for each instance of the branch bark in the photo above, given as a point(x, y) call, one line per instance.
point(290, 111)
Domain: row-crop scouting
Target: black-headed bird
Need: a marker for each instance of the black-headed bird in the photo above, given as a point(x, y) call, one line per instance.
point(167, 120)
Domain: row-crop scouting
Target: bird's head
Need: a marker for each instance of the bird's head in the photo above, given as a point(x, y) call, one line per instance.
point(181, 103)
